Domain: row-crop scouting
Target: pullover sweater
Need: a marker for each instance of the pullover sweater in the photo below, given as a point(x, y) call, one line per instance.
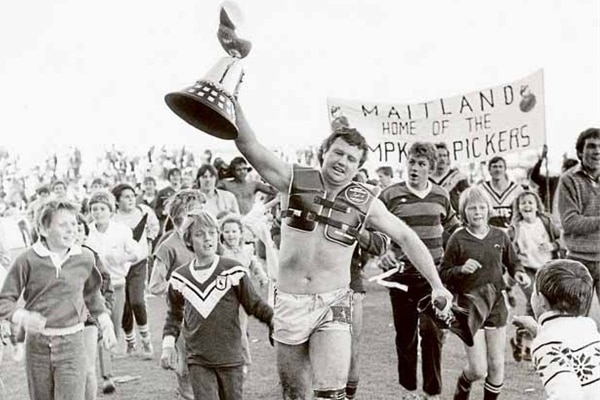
point(579, 208)
point(566, 356)
point(59, 292)
point(208, 301)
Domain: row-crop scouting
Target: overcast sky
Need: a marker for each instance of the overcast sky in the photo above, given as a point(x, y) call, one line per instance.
point(87, 73)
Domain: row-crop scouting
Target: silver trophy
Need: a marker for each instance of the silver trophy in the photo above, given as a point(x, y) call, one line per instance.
point(209, 104)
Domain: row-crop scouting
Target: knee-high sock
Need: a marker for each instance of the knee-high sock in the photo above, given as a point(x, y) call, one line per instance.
point(335, 394)
point(491, 391)
point(463, 388)
point(351, 387)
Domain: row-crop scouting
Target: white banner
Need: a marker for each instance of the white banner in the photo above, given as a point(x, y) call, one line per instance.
point(476, 126)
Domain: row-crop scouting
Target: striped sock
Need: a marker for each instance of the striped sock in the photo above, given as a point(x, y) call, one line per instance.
point(463, 388)
point(351, 387)
point(130, 337)
point(491, 391)
point(336, 394)
point(144, 331)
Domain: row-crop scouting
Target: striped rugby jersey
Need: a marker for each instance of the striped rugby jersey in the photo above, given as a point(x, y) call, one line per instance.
point(502, 202)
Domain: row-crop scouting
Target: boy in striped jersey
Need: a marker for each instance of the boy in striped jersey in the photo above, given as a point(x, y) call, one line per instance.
point(425, 207)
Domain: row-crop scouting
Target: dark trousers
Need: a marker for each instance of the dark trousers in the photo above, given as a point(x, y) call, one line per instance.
point(135, 304)
point(216, 383)
point(406, 321)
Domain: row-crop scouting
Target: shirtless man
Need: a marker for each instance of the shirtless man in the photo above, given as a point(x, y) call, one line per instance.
point(243, 189)
point(325, 211)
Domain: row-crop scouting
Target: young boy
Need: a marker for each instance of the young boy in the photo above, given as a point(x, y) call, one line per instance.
point(58, 280)
point(208, 291)
point(566, 351)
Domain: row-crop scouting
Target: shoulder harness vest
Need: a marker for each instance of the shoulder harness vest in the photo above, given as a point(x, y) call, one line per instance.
point(308, 206)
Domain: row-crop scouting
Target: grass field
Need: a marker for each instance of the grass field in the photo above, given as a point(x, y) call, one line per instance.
point(378, 367)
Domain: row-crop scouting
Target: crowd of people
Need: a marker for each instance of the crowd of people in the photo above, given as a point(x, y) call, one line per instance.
point(212, 240)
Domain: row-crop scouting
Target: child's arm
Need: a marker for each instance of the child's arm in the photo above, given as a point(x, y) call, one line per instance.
point(556, 371)
point(14, 283)
point(255, 268)
point(450, 268)
point(168, 358)
point(252, 302)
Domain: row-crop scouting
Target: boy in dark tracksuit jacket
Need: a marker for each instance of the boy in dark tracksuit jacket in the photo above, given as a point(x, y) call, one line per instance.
point(206, 295)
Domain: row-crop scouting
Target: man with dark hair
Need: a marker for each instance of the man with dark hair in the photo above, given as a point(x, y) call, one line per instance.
point(174, 178)
point(579, 205)
point(386, 174)
point(502, 191)
point(447, 177)
point(242, 188)
point(426, 208)
point(325, 213)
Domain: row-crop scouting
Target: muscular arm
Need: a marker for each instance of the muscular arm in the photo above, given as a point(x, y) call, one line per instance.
point(416, 251)
point(270, 167)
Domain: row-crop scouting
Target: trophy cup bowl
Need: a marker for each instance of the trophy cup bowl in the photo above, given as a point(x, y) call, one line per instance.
point(209, 105)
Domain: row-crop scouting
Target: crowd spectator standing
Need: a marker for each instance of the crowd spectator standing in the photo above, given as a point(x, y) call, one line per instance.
point(218, 201)
point(145, 228)
point(243, 188)
point(385, 174)
point(502, 192)
point(547, 184)
point(447, 177)
point(579, 205)
point(174, 178)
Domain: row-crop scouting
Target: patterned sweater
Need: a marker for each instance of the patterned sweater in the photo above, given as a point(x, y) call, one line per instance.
point(566, 355)
point(208, 301)
point(579, 208)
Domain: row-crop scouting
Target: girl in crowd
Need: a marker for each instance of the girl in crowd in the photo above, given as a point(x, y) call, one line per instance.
point(537, 240)
point(472, 268)
point(145, 226)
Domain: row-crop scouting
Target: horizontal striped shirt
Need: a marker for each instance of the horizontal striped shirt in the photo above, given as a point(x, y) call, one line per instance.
point(429, 216)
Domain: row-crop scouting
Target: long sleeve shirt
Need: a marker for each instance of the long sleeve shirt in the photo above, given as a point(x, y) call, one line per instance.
point(114, 246)
point(566, 355)
point(579, 208)
point(60, 290)
point(492, 252)
point(208, 301)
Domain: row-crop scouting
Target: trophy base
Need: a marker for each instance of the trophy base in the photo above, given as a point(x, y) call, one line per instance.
point(205, 107)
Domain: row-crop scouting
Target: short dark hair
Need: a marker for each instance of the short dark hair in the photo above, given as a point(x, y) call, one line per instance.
point(590, 133)
point(495, 160)
point(42, 189)
point(172, 172)
point(206, 167)
point(118, 190)
point(567, 286)
point(237, 161)
point(348, 135)
point(58, 182)
point(81, 221)
point(386, 170)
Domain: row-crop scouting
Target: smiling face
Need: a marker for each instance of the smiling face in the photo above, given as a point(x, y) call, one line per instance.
point(204, 242)
point(590, 156)
point(61, 233)
point(419, 168)
point(477, 214)
point(340, 162)
point(528, 207)
point(232, 234)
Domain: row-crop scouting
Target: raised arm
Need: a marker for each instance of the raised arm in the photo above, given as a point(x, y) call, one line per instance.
point(270, 167)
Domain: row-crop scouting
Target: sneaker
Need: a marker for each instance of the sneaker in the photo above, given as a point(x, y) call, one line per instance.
point(108, 386)
point(147, 349)
point(131, 349)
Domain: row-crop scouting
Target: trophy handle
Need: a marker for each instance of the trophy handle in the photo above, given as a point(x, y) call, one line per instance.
point(237, 87)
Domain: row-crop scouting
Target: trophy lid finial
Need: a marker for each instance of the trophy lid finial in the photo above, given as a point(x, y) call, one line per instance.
point(231, 22)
